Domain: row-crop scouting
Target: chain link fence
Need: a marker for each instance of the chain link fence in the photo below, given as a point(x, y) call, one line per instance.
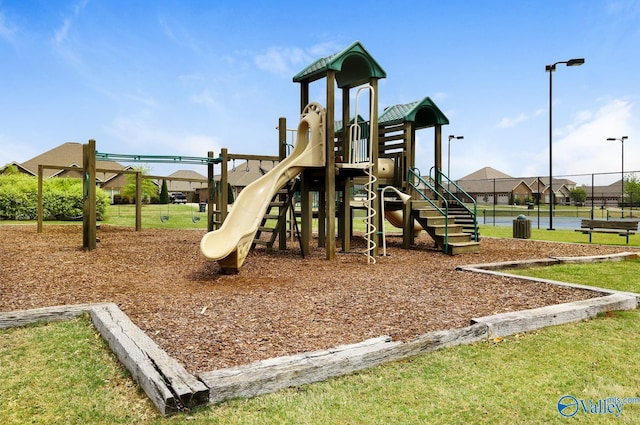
point(574, 197)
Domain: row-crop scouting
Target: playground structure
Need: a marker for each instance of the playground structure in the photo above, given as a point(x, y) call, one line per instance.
point(232, 241)
point(377, 151)
point(330, 157)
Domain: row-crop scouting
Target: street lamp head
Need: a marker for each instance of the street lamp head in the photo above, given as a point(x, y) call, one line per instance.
point(570, 62)
point(613, 139)
point(575, 62)
point(451, 136)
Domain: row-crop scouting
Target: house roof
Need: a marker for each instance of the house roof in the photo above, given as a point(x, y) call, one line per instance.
point(556, 182)
point(354, 66)
point(66, 155)
point(246, 172)
point(483, 180)
point(614, 189)
point(487, 186)
point(185, 186)
point(486, 173)
point(424, 113)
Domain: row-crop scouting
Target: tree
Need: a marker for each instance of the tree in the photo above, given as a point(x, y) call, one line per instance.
point(10, 170)
point(164, 193)
point(578, 195)
point(632, 189)
point(149, 188)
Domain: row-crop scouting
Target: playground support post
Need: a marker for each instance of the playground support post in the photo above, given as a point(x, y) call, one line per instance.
point(138, 201)
point(40, 197)
point(224, 186)
point(210, 192)
point(89, 196)
point(330, 174)
point(282, 153)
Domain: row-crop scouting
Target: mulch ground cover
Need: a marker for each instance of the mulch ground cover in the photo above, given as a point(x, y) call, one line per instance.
point(279, 304)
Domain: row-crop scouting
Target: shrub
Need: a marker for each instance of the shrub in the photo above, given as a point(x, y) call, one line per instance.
point(62, 198)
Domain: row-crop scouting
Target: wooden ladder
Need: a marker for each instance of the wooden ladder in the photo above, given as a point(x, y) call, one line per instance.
point(275, 218)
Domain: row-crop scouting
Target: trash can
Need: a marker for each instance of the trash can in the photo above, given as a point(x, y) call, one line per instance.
point(521, 227)
point(203, 207)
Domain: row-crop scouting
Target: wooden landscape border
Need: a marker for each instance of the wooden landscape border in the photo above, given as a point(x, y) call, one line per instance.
point(165, 381)
point(172, 389)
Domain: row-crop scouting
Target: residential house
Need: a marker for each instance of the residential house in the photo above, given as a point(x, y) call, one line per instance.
point(189, 182)
point(66, 155)
point(70, 155)
point(242, 174)
point(487, 184)
point(605, 195)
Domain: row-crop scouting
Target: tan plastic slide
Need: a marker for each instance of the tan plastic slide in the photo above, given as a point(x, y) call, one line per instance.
point(230, 244)
point(396, 219)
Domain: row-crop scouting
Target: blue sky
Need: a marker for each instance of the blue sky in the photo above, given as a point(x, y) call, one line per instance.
point(185, 77)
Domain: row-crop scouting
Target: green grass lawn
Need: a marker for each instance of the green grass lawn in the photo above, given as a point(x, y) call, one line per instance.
point(170, 216)
point(618, 275)
point(560, 235)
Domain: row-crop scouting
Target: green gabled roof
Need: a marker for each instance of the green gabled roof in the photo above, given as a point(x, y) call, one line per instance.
point(354, 66)
point(424, 113)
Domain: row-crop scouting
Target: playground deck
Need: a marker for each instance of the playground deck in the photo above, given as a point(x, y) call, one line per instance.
point(279, 304)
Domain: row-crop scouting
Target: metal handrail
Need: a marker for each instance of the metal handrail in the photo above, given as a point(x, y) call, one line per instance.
point(475, 206)
point(411, 175)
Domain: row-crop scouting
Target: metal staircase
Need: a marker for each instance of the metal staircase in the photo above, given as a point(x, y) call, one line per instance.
point(445, 218)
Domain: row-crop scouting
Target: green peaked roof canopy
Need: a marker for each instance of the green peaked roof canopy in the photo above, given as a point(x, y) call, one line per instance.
point(354, 66)
point(424, 113)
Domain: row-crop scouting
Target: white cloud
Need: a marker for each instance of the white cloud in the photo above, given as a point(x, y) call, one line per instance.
point(61, 34)
point(61, 40)
point(204, 98)
point(180, 36)
point(141, 134)
point(583, 147)
point(321, 50)
point(281, 60)
point(7, 29)
point(508, 122)
point(440, 96)
point(286, 61)
point(579, 149)
point(12, 150)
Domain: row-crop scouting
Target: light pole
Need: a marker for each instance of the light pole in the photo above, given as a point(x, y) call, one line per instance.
point(622, 139)
point(451, 136)
point(550, 69)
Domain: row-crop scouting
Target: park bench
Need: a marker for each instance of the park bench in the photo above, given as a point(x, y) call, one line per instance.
point(620, 227)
